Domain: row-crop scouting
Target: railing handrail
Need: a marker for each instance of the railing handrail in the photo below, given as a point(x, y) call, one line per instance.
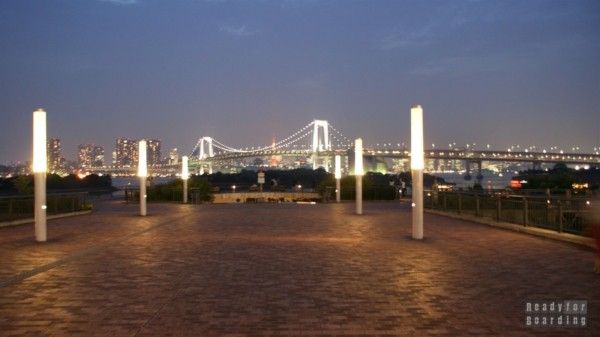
point(31, 196)
point(517, 196)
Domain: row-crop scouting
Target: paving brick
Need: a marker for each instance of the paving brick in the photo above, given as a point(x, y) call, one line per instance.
point(282, 270)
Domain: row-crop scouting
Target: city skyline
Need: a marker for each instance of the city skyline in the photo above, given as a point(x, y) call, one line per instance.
point(56, 159)
point(497, 73)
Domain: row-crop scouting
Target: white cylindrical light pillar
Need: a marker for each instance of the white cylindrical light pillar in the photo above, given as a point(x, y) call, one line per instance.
point(338, 176)
point(185, 175)
point(417, 164)
point(358, 173)
point(142, 174)
point(40, 165)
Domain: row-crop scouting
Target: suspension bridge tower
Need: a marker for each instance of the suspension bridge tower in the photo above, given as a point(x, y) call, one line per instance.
point(320, 143)
point(206, 151)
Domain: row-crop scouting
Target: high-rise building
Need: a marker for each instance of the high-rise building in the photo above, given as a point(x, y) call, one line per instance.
point(126, 152)
point(154, 157)
point(55, 160)
point(173, 157)
point(90, 155)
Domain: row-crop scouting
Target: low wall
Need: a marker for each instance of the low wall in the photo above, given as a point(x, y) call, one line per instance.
point(224, 198)
point(49, 217)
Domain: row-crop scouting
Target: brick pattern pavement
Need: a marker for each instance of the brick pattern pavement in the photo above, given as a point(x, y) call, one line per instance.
point(282, 269)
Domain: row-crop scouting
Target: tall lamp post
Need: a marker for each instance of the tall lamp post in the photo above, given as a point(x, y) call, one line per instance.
point(358, 173)
point(142, 174)
point(417, 164)
point(40, 165)
point(338, 176)
point(185, 175)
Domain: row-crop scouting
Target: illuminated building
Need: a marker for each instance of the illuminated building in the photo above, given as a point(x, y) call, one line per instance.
point(55, 161)
point(126, 152)
point(90, 155)
point(153, 152)
point(173, 157)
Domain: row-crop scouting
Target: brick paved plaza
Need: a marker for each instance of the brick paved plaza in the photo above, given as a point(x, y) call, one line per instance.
point(282, 269)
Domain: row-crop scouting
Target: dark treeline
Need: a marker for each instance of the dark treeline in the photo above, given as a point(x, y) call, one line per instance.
point(376, 186)
point(55, 183)
point(560, 178)
point(308, 178)
point(274, 179)
point(198, 186)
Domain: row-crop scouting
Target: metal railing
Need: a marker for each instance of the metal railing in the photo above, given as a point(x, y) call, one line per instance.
point(21, 207)
point(195, 195)
point(562, 214)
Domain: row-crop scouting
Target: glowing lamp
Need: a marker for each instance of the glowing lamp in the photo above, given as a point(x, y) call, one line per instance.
point(142, 159)
point(338, 167)
point(417, 164)
point(358, 157)
point(185, 173)
point(40, 164)
point(39, 174)
point(417, 161)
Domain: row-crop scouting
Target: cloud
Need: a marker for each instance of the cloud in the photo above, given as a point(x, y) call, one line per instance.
point(406, 39)
point(122, 2)
point(466, 64)
point(240, 31)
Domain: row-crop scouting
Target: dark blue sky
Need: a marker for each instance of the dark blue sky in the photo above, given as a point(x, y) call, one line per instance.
point(499, 72)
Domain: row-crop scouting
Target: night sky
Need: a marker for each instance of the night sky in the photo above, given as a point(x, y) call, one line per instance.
point(498, 72)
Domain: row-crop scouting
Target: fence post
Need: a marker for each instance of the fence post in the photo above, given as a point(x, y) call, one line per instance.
point(445, 207)
point(525, 212)
point(547, 212)
point(498, 208)
point(560, 218)
point(10, 208)
point(459, 203)
point(477, 210)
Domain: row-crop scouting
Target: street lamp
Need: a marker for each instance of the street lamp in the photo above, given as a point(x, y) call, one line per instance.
point(40, 166)
point(417, 164)
point(338, 176)
point(142, 174)
point(358, 173)
point(185, 175)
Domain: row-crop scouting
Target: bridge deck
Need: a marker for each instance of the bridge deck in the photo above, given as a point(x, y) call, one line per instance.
point(281, 269)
